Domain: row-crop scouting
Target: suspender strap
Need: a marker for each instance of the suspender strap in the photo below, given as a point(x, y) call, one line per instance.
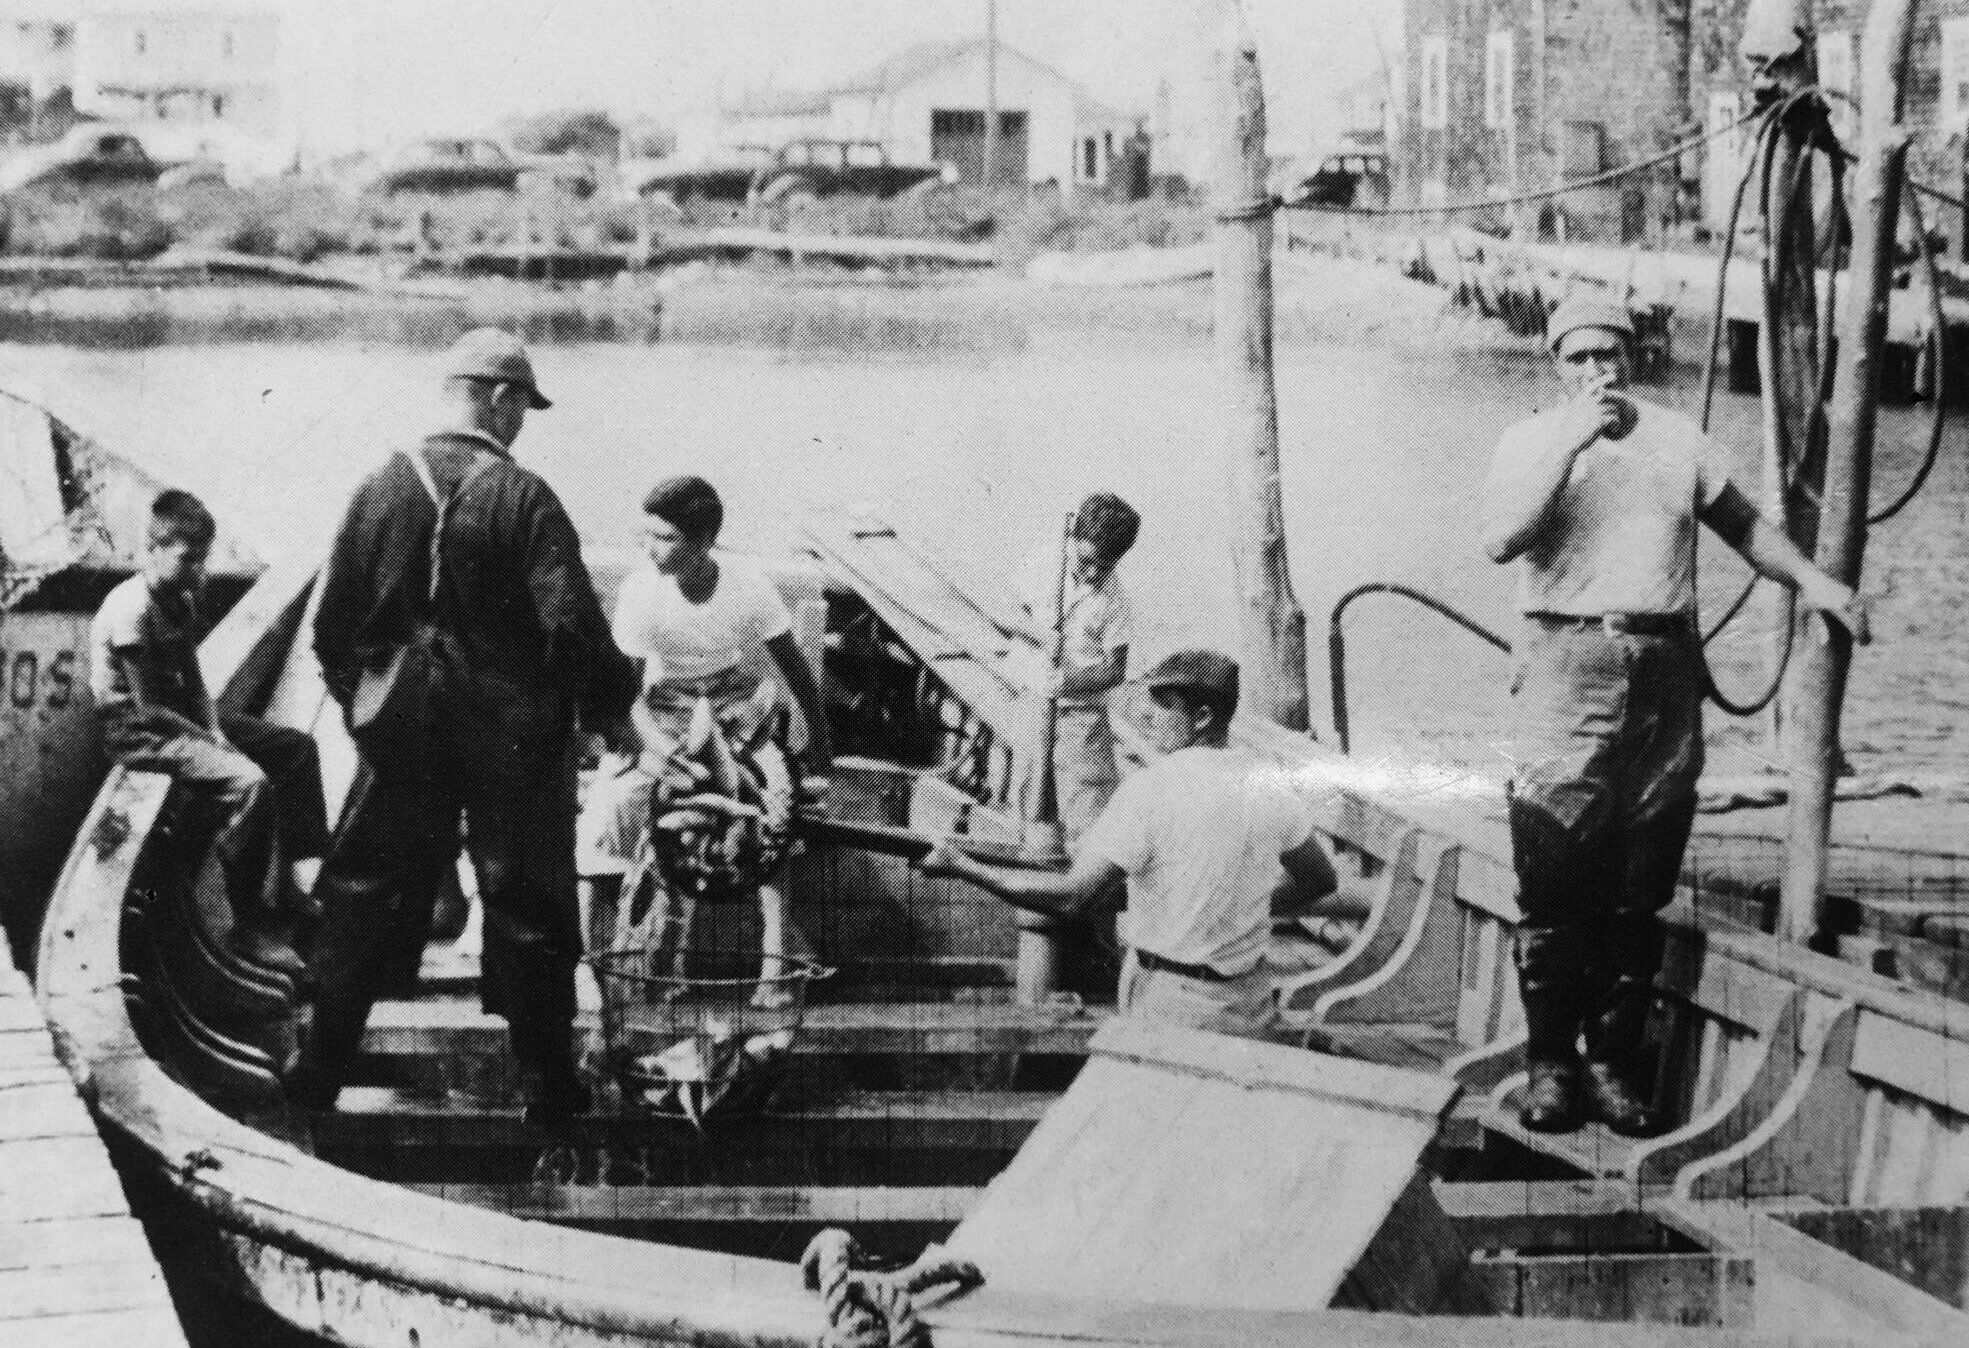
point(421, 462)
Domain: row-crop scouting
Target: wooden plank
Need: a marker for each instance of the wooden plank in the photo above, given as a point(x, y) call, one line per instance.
point(43, 1109)
point(79, 1289)
point(71, 1240)
point(58, 1177)
point(146, 1327)
point(1160, 1177)
point(1913, 1060)
point(1785, 1253)
point(1808, 1146)
point(1702, 1288)
point(1585, 1215)
point(852, 1207)
point(1926, 1247)
point(1252, 1065)
point(1419, 983)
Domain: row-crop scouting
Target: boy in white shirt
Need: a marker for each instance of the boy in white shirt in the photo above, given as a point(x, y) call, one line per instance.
point(1096, 625)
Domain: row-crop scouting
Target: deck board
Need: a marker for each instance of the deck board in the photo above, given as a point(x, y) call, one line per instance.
point(1158, 1176)
point(75, 1267)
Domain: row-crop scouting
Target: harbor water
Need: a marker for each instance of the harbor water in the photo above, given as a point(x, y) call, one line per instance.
point(1384, 454)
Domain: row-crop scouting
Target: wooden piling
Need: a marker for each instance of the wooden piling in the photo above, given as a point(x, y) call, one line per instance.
point(1824, 659)
point(1272, 624)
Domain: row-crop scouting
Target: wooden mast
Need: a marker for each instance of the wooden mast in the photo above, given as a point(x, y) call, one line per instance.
point(1824, 659)
point(1272, 626)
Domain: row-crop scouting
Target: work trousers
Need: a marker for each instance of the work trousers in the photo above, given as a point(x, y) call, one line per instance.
point(1601, 804)
point(263, 785)
point(1242, 1006)
point(399, 836)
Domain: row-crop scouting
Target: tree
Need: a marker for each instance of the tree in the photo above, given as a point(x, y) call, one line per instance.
point(583, 131)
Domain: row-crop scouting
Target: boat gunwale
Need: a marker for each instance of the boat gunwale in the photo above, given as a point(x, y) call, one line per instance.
point(325, 1213)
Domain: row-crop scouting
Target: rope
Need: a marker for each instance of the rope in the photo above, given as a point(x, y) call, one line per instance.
point(876, 1310)
point(1525, 198)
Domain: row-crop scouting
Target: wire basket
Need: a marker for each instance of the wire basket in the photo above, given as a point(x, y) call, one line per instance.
point(711, 1039)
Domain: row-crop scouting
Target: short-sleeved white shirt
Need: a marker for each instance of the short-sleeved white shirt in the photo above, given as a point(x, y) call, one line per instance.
point(1621, 537)
point(678, 640)
point(1097, 620)
point(1199, 835)
point(160, 636)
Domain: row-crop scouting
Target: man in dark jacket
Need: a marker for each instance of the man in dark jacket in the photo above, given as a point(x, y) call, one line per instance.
point(532, 659)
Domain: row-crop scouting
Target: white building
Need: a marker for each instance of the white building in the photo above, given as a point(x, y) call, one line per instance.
point(37, 46)
point(190, 62)
point(928, 104)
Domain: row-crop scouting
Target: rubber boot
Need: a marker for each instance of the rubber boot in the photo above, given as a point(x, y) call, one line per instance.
point(554, 1090)
point(1552, 1101)
point(329, 1048)
point(1613, 1049)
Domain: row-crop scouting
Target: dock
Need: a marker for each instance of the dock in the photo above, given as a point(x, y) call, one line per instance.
point(76, 1270)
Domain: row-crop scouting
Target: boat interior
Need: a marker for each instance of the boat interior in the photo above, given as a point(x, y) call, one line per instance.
point(1817, 1181)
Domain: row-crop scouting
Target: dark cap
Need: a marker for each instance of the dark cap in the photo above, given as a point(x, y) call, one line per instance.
point(1578, 312)
point(495, 355)
point(1211, 673)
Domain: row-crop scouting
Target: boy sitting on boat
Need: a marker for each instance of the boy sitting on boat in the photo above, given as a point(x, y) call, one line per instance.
point(1200, 836)
point(156, 713)
point(692, 619)
point(1095, 621)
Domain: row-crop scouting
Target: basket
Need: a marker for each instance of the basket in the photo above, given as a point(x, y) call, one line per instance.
point(712, 1039)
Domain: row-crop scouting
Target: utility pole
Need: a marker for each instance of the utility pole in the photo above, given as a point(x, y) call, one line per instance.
point(989, 177)
point(1826, 657)
point(1273, 626)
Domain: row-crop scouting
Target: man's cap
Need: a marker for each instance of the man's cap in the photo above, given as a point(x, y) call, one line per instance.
point(1586, 312)
point(497, 355)
point(1200, 671)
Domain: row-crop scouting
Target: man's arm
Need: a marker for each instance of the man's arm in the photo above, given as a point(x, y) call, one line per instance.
point(1110, 673)
point(799, 675)
point(1517, 499)
point(580, 647)
point(1048, 893)
point(1772, 553)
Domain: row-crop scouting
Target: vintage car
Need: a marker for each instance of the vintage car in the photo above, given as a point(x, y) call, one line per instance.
point(1343, 178)
point(91, 154)
point(799, 171)
point(475, 164)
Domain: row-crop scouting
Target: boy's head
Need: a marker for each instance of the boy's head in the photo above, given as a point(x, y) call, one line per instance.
point(1193, 695)
point(178, 540)
point(1104, 528)
point(685, 515)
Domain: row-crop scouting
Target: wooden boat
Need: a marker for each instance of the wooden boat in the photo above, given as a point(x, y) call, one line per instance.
point(1816, 1187)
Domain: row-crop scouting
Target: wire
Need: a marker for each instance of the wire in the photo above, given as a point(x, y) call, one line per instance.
point(1525, 198)
point(1938, 339)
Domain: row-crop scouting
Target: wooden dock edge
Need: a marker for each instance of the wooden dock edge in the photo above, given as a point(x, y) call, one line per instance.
point(75, 1266)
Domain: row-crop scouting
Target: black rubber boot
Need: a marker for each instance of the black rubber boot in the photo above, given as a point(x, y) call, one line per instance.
point(554, 1090)
point(1550, 964)
point(1613, 1051)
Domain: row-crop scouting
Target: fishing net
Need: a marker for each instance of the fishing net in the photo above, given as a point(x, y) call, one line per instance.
point(703, 1034)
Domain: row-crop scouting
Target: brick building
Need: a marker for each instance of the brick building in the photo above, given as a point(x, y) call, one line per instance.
point(1505, 96)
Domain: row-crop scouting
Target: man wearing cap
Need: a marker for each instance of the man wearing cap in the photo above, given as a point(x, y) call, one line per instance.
point(1599, 498)
point(1203, 836)
point(531, 658)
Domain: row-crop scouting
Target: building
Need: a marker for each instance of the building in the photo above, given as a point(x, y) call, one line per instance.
point(199, 63)
point(1510, 96)
point(37, 58)
point(928, 104)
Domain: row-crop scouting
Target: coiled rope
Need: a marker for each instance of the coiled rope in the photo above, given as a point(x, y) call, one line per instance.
point(869, 1309)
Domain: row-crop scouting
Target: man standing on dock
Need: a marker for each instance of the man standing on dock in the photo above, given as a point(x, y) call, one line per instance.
point(530, 657)
point(1599, 497)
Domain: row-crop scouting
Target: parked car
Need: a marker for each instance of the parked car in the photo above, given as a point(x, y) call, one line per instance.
point(444, 164)
point(1344, 178)
point(89, 155)
point(801, 170)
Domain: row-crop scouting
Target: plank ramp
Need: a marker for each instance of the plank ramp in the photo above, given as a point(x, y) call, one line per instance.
point(1158, 1178)
point(75, 1268)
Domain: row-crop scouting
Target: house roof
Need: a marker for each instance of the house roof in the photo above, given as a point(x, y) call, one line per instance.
point(782, 103)
point(913, 63)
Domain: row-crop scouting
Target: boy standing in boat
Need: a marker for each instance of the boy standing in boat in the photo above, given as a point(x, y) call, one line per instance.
point(157, 713)
point(1202, 837)
point(1599, 498)
point(1096, 625)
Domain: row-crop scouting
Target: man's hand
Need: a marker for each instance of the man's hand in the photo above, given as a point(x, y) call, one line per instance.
point(1839, 604)
point(1599, 411)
